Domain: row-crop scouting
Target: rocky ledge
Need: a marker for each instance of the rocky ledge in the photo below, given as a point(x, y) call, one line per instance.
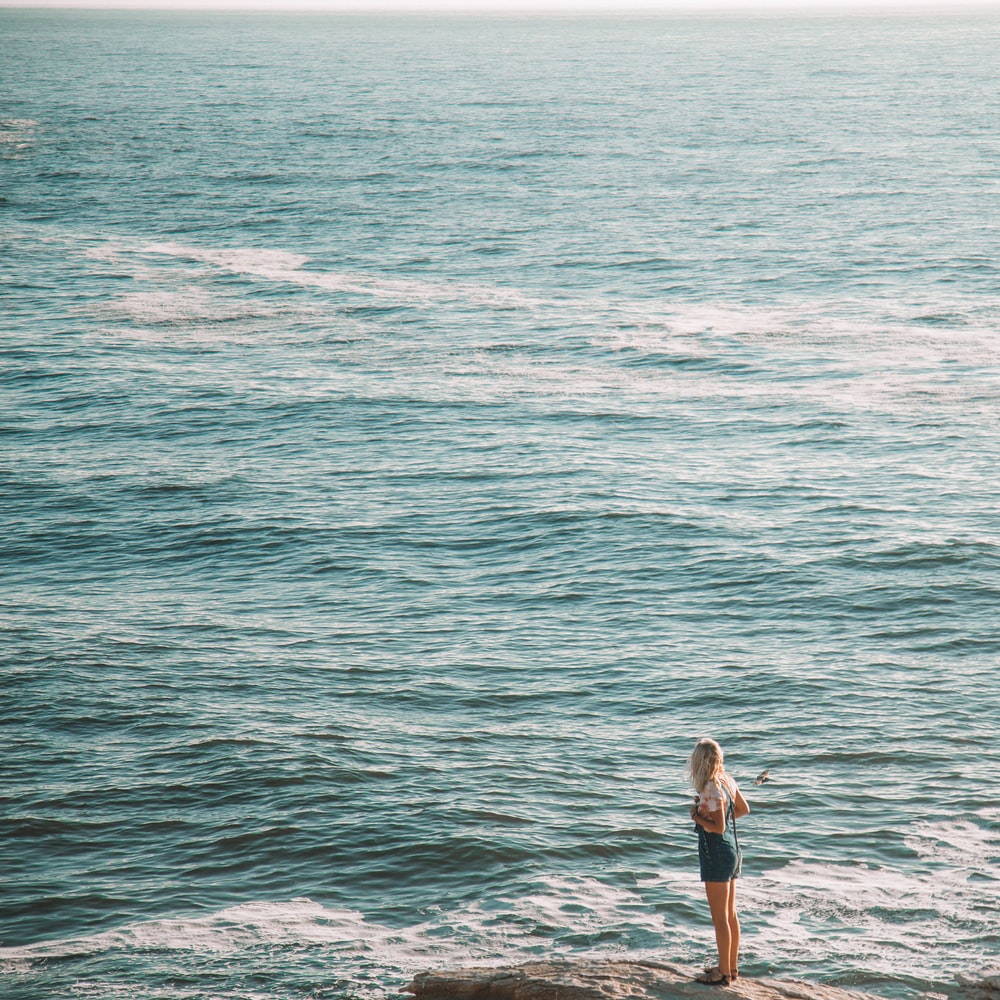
point(984, 986)
point(636, 980)
point(602, 981)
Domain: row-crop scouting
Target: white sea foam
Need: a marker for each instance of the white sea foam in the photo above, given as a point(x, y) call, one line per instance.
point(16, 129)
point(906, 917)
point(16, 136)
point(295, 923)
point(804, 915)
point(963, 846)
point(193, 305)
point(502, 929)
point(564, 910)
point(815, 330)
point(277, 265)
point(284, 266)
point(891, 357)
point(191, 313)
point(299, 921)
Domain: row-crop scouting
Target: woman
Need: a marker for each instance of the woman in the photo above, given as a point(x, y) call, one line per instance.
point(718, 805)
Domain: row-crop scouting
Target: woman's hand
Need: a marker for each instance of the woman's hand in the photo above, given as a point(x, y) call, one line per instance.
point(713, 822)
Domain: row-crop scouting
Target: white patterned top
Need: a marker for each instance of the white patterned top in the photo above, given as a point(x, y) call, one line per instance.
point(713, 798)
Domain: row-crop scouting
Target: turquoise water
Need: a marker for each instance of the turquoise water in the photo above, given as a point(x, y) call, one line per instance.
point(416, 432)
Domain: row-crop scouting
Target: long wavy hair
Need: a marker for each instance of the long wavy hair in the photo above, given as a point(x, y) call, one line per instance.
point(706, 765)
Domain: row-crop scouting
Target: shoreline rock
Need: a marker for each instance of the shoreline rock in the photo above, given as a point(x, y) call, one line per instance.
point(983, 986)
point(605, 980)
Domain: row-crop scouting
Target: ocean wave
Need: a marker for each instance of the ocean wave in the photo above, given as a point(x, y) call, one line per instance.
point(905, 919)
point(906, 916)
point(298, 922)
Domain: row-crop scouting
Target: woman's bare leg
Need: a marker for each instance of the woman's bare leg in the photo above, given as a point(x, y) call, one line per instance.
point(734, 929)
point(718, 903)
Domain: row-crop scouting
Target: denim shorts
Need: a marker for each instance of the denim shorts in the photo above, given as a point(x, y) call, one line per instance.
point(719, 858)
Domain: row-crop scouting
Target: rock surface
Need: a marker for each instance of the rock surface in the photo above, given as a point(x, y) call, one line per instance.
point(984, 986)
point(605, 980)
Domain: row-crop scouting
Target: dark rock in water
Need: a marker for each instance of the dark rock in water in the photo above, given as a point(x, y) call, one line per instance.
point(604, 980)
point(982, 986)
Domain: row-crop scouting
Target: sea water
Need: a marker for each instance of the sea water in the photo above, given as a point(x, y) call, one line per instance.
point(416, 432)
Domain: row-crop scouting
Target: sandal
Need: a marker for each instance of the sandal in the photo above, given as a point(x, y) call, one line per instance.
point(735, 974)
point(713, 977)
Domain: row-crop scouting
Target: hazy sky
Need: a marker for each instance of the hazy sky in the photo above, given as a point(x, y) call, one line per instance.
point(563, 6)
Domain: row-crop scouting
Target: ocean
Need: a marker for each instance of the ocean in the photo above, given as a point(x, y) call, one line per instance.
point(418, 430)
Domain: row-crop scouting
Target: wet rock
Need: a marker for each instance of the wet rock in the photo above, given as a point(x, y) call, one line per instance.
point(981, 986)
point(606, 980)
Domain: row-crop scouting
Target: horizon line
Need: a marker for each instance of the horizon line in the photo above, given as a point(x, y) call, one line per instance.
point(525, 7)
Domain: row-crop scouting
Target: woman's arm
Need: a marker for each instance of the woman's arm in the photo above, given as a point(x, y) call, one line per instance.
point(713, 822)
point(740, 807)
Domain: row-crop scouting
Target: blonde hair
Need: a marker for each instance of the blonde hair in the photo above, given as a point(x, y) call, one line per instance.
point(706, 765)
